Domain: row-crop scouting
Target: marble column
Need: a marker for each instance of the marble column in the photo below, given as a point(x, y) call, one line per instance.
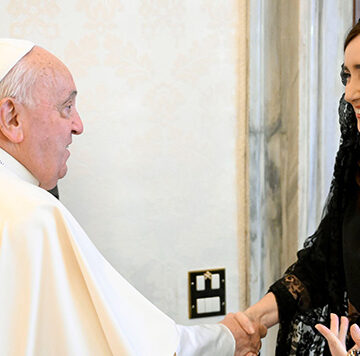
point(273, 130)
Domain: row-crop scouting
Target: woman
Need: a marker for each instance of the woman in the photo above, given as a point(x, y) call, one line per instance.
point(326, 277)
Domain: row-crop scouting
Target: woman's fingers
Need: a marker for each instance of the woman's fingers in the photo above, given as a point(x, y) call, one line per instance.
point(355, 334)
point(334, 324)
point(336, 346)
point(324, 331)
point(336, 335)
point(344, 326)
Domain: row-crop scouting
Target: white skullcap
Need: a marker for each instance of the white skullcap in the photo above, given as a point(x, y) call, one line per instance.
point(11, 51)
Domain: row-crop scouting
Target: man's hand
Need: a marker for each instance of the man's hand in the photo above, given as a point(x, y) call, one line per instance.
point(247, 333)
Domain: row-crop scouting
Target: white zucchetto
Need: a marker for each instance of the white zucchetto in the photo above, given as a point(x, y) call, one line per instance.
point(11, 51)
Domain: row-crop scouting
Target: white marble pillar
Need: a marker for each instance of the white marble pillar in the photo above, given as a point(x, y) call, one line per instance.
point(273, 128)
point(321, 55)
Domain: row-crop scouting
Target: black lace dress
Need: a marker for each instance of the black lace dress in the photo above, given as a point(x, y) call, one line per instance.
point(326, 276)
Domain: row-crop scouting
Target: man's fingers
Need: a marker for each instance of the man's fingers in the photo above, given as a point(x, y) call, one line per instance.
point(245, 322)
point(253, 353)
point(246, 331)
point(344, 326)
point(245, 343)
point(262, 330)
point(355, 334)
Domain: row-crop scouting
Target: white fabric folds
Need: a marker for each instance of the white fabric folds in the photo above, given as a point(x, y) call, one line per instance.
point(59, 296)
point(12, 50)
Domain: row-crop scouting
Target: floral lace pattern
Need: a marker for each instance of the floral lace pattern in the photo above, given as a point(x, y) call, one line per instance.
point(304, 340)
point(297, 290)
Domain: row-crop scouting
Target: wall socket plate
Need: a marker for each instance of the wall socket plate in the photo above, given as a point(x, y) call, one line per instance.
point(206, 293)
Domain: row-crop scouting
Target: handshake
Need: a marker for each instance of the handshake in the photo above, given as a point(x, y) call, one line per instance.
point(247, 333)
point(250, 326)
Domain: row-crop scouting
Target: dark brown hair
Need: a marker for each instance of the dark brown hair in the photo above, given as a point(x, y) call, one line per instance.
point(354, 32)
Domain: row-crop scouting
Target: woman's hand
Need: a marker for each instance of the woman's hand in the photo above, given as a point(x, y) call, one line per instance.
point(336, 335)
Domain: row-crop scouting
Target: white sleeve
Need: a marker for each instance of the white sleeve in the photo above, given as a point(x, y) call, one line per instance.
point(207, 339)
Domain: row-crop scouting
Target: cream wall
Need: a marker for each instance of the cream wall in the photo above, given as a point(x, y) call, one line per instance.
point(158, 178)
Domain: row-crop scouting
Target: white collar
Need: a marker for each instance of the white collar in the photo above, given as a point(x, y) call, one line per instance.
point(9, 162)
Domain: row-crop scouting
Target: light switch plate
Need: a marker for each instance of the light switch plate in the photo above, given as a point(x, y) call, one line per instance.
point(209, 299)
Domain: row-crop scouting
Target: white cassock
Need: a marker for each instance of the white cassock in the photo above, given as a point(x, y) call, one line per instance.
point(60, 297)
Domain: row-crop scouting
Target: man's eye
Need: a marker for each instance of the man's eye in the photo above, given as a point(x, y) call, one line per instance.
point(67, 109)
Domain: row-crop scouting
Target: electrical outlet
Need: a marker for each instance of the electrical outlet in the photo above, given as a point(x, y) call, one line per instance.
point(207, 293)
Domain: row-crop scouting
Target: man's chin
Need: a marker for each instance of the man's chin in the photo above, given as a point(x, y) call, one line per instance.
point(63, 175)
point(52, 183)
point(63, 172)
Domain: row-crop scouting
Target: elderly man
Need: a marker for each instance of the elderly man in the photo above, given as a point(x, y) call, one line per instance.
point(58, 295)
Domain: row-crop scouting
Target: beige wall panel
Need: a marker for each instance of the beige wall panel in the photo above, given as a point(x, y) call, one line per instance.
point(155, 177)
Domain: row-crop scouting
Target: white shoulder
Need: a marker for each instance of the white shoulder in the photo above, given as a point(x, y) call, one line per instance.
point(21, 201)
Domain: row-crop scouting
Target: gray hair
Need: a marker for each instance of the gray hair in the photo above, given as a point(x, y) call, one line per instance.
point(20, 80)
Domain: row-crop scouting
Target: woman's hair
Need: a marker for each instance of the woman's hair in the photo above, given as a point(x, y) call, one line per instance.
point(18, 83)
point(355, 31)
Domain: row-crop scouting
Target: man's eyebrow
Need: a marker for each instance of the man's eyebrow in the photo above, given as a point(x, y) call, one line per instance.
point(71, 96)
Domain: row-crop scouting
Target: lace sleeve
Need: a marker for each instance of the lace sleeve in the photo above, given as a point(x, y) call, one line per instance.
point(291, 295)
point(297, 290)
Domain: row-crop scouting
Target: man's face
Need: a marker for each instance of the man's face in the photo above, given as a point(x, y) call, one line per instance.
point(51, 121)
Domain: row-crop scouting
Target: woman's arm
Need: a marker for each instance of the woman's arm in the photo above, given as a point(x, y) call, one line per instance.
point(265, 311)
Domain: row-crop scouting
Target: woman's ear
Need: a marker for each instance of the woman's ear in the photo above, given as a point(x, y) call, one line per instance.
point(10, 121)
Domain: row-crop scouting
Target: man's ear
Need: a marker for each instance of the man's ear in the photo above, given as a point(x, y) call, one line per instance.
point(10, 122)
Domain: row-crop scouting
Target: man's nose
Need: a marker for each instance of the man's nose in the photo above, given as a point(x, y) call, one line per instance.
point(77, 125)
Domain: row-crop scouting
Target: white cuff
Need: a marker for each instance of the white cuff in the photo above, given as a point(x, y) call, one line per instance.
point(207, 339)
